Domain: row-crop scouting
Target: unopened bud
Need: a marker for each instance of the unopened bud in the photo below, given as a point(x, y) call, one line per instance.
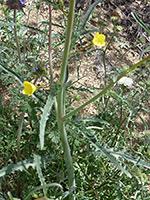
point(61, 2)
point(114, 19)
point(119, 28)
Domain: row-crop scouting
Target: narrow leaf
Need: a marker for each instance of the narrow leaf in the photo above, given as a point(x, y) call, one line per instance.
point(112, 159)
point(142, 24)
point(11, 197)
point(44, 117)
point(21, 24)
point(137, 161)
point(37, 160)
point(22, 165)
point(144, 51)
point(88, 13)
point(32, 27)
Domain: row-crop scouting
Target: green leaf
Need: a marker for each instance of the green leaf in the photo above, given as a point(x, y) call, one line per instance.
point(89, 31)
point(140, 22)
point(94, 119)
point(37, 160)
point(107, 153)
point(22, 165)
point(88, 13)
point(44, 117)
point(3, 24)
point(53, 24)
point(144, 51)
point(136, 161)
point(31, 27)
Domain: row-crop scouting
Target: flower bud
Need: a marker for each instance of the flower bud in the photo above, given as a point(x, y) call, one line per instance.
point(61, 2)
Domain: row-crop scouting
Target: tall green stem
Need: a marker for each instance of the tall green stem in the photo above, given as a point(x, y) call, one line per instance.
point(50, 44)
point(16, 37)
point(61, 103)
point(67, 42)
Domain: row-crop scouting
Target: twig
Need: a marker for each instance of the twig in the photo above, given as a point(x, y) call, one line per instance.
point(89, 182)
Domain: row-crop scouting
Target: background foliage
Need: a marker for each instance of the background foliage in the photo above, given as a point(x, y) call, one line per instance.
point(110, 151)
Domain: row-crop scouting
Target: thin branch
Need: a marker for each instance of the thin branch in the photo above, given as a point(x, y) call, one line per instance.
point(89, 182)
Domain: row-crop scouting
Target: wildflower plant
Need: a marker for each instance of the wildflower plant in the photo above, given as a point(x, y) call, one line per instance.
point(61, 152)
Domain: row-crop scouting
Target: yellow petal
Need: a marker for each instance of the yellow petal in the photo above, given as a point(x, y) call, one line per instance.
point(29, 88)
point(99, 39)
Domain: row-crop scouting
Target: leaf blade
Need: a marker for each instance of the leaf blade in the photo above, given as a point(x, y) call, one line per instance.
point(44, 117)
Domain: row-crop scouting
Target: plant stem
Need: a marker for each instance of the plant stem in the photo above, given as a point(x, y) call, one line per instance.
point(19, 135)
point(50, 44)
point(67, 42)
point(61, 104)
point(106, 89)
point(16, 37)
point(104, 56)
point(64, 140)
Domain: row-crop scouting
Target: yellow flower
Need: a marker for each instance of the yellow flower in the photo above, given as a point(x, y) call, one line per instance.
point(29, 88)
point(99, 39)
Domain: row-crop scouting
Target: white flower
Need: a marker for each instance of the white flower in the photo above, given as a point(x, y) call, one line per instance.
point(125, 81)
